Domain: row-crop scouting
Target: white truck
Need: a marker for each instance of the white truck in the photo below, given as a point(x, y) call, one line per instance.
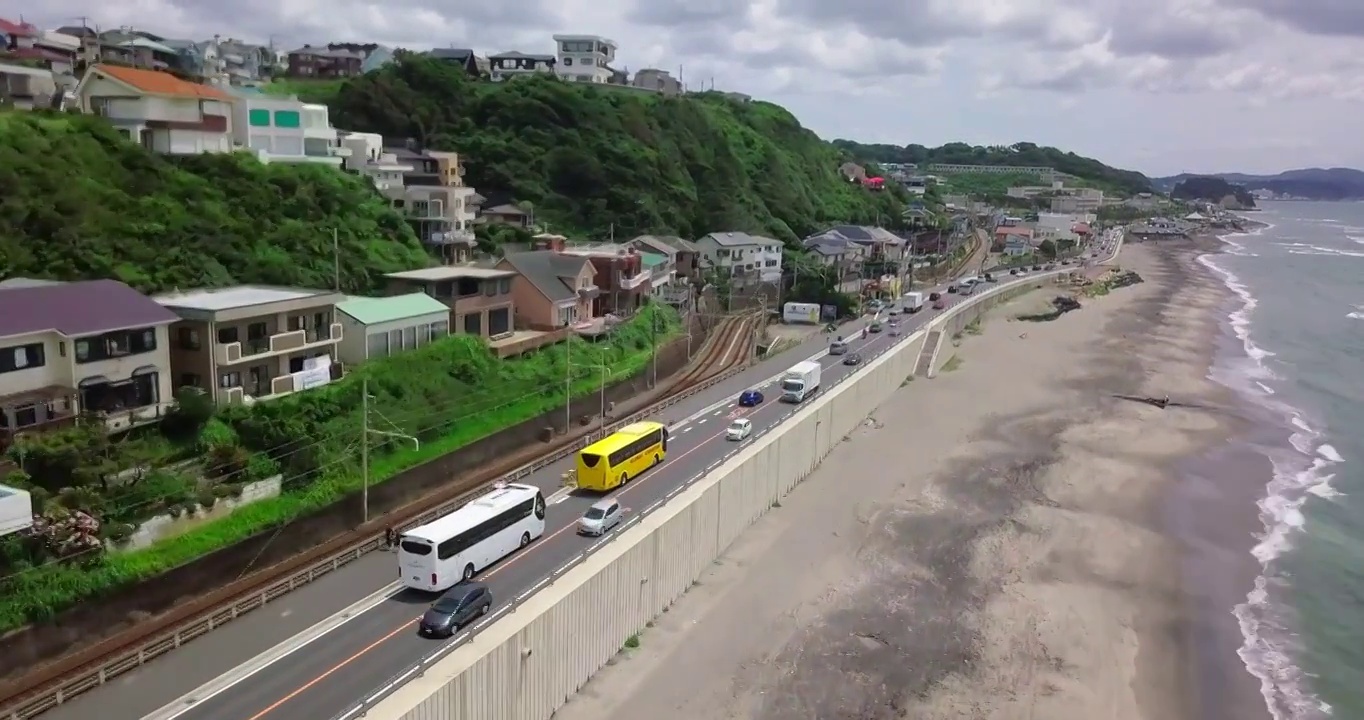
point(800, 382)
point(913, 302)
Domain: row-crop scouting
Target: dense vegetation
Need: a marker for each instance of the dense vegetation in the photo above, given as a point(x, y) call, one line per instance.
point(1024, 154)
point(599, 159)
point(81, 202)
point(91, 489)
point(1309, 183)
point(1212, 189)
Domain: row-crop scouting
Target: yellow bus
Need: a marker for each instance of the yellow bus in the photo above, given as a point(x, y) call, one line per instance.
point(622, 456)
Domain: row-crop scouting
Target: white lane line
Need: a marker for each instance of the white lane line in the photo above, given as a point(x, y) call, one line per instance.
point(685, 429)
point(699, 422)
point(190, 701)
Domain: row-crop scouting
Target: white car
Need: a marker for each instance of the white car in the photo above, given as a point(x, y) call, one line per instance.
point(739, 429)
point(601, 517)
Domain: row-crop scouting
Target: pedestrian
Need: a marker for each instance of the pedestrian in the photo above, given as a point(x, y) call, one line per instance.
point(389, 538)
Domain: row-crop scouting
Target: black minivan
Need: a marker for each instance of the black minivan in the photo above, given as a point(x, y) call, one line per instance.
point(459, 606)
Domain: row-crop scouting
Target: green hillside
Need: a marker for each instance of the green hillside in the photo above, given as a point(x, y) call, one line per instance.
point(1024, 154)
point(80, 202)
point(593, 159)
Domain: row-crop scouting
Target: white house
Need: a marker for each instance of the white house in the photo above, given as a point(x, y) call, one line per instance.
point(158, 110)
point(743, 256)
point(285, 130)
point(584, 58)
point(379, 327)
point(367, 157)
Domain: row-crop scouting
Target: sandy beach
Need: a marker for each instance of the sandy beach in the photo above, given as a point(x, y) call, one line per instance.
point(991, 544)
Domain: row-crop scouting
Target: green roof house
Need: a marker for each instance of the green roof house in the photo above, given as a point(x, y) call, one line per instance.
point(382, 326)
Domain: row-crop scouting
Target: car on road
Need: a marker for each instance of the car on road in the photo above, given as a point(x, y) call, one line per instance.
point(1013, 271)
point(742, 427)
point(852, 359)
point(939, 305)
point(952, 289)
point(874, 327)
point(601, 517)
point(1036, 268)
point(895, 331)
point(751, 398)
point(934, 296)
point(459, 606)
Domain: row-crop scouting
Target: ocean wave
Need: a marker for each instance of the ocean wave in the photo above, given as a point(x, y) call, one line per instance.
point(1357, 314)
point(1270, 645)
point(1308, 249)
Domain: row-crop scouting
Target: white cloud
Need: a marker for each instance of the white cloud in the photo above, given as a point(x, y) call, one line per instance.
point(1095, 76)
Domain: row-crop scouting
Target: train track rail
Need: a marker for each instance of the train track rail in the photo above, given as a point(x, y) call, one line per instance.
point(726, 351)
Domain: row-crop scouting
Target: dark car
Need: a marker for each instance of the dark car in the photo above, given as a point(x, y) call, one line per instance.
point(1013, 271)
point(939, 305)
point(934, 297)
point(1036, 268)
point(750, 398)
point(459, 606)
point(989, 277)
point(952, 289)
point(852, 359)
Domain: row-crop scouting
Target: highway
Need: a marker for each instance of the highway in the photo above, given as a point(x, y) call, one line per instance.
point(320, 649)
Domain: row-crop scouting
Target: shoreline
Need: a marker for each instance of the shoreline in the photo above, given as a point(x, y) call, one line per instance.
point(1004, 556)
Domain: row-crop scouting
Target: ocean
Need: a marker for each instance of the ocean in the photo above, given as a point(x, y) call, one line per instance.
point(1299, 319)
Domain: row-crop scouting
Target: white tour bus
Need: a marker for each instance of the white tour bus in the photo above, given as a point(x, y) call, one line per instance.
point(440, 554)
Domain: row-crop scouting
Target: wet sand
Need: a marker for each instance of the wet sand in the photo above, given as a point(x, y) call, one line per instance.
point(994, 543)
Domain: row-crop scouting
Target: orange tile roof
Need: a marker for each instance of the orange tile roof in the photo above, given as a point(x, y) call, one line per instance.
point(156, 82)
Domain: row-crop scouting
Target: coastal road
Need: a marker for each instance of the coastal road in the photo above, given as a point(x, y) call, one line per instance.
point(315, 652)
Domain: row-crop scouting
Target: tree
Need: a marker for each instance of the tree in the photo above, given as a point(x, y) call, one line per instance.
point(1047, 249)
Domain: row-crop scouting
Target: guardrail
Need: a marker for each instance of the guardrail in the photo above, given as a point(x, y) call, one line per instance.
point(418, 668)
point(145, 652)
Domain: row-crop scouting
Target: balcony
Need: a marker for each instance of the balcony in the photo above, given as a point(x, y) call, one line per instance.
point(235, 352)
point(632, 282)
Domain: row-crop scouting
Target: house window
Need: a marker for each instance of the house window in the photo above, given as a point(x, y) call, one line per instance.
point(259, 118)
point(189, 339)
point(568, 61)
point(25, 415)
point(117, 344)
point(22, 357)
point(568, 315)
point(189, 380)
point(287, 119)
point(489, 288)
point(588, 61)
point(504, 286)
point(722, 252)
point(230, 380)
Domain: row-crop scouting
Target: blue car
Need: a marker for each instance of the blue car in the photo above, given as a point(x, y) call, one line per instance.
point(750, 398)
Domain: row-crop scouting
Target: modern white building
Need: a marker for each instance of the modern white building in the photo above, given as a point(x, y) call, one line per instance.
point(16, 510)
point(367, 157)
point(285, 130)
point(584, 58)
point(745, 257)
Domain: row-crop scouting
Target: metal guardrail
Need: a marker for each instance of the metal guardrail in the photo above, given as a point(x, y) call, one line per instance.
point(419, 668)
point(132, 659)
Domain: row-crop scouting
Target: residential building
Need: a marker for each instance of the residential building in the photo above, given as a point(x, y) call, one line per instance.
point(553, 290)
point(1046, 174)
point(508, 214)
point(838, 252)
point(26, 88)
point(324, 63)
point(507, 65)
point(916, 184)
point(1062, 199)
point(620, 274)
point(16, 510)
point(66, 349)
point(245, 63)
point(24, 44)
point(882, 245)
point(481, 300)
point(1062, 227)
point(253, 342)
point(285, 130)
point(198, 59)
point(681, 253)
point(584, 58)
point(367, 157)
point(465, 58)
point(435, 200)
point(1014, 240)
point(744, 257)
point(142, 50)
point(158, 110)
point(379, 327)
point(660, 81)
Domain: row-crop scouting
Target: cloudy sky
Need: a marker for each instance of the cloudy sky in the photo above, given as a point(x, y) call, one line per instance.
point(1161, 86)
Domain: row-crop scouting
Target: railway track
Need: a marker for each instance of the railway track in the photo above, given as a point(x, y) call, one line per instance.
point(725, 351)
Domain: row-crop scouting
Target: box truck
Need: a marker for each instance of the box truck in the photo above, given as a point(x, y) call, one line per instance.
point(913, 302)
point(800, 382)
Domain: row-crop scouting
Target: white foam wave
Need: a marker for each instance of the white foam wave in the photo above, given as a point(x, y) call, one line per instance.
point(1358, 313)
point(1305, 249)
point(1270, 644)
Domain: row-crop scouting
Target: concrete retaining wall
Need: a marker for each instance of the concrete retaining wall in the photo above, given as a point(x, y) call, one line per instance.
point(531, 661)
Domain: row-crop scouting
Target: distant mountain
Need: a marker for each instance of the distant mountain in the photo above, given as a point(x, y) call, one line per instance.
point(1213, 189)
point(1309, 183)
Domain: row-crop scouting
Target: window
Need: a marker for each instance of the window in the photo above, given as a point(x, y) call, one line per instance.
point(25, 415)
point(490, 288)
point(409, 338)
point(484, 530)
point(638, 446)
point(189, 338)
point(588, 61)
point(377, 345)
point(504, 286)
point(259, 118)
point(568, 61)
point(227, 335)
point(439, 330)
point(230, 380)
point(22, 357)
point(189, 380)
point(722, 252)
point(287, 119)
point(568, 315)
point(119, 343)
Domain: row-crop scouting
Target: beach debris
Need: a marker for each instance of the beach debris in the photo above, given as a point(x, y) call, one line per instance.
point(1061, 305)
point(1161, 402)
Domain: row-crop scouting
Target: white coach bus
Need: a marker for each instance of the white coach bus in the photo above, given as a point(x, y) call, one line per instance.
point(451, 549)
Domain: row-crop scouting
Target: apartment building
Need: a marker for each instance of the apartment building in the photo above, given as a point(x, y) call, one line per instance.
point(1063, 199)
point(324, 63)
point(584, 58)
point(285, 129)
point(744, 257)
point(253, 342)
point(158, 110)
point(507, 65)
point(97, 348)
point(480, 300)
point(437, 203)
point(621, 273)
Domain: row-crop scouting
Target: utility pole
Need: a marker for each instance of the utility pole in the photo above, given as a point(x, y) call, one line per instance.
point(336, 261)
point(365, 432)
point(568, 384)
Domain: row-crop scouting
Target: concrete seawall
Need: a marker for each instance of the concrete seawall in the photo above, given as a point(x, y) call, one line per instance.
point(528, 664)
